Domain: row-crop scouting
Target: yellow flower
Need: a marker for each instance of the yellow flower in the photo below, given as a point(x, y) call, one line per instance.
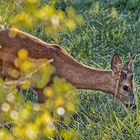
point(70, 24)
point(114, 12)
point(32, 1)
point(48, 92)
point(60, 15)
point(70, 107)
point(22, 54)
point(26, 84)
point(79, 19)
point(27, 66)
point(59, 101)
point(71, 12)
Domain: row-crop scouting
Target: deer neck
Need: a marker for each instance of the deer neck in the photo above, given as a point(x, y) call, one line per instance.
point(84, 77)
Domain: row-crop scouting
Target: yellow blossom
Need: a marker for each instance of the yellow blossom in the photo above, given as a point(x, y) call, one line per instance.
point(22, 54)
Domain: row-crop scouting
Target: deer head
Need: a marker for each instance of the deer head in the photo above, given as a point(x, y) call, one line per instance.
point(124, 80)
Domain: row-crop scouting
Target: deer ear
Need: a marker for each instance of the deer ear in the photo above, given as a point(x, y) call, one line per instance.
point(116, 63)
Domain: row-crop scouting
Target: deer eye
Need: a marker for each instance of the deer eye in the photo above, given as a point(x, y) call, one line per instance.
point(124, 75)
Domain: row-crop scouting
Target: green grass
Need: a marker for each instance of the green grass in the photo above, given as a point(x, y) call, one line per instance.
point(100, 116)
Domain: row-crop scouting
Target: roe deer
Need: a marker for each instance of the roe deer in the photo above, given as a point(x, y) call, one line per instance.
point(118, 81)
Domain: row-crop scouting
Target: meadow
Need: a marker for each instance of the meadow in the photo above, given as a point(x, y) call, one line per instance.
point(109, 26)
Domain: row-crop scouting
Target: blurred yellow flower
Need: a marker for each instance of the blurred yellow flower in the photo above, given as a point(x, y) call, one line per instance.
point(114, 12)
point(48, 92)
point(27, 66)
point(71, 12)
point(70, 24)
point(31, 131)
point(95, 8)
point(79, 19)
point(22, 54)
point(69, 135)
point(26, 84)
point(32, 1)
point(60, 15)
point(54, 20)
point(70, 107)
point(32, 120)
point(59, 101)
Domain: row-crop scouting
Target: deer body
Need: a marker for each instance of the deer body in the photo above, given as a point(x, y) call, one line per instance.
point(81, 76)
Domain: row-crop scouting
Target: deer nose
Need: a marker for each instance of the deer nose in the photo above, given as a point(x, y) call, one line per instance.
point(125, 88)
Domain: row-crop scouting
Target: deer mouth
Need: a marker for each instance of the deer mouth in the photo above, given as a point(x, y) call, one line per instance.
point(131, 106)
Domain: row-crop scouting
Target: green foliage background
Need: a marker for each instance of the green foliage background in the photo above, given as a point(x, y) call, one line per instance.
point(109, 26)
